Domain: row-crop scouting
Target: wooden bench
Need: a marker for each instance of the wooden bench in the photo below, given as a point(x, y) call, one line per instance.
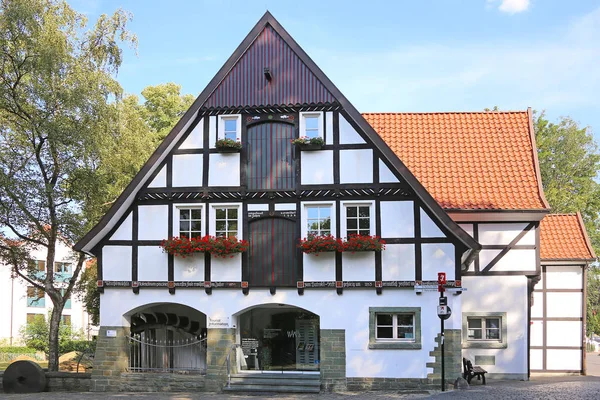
point(470, 371)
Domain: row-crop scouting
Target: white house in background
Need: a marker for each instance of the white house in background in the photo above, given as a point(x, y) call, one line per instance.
point(558, 314)
point(21, 302)
point(458, 193)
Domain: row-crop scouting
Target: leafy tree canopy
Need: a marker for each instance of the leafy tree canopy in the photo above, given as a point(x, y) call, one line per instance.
point(57, 96)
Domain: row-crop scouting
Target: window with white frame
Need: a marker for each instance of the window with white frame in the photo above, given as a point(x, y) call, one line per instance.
point(395, 328)
point(358, 219)
point(318, 220)
point(484, 330)
point(311, 124)
point(229, 127)
point(190, 221)
point(226, 221)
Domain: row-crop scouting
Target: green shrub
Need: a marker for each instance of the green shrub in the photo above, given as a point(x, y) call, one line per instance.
point(17, 350)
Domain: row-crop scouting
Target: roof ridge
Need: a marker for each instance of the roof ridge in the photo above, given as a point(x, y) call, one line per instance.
point(446, 112)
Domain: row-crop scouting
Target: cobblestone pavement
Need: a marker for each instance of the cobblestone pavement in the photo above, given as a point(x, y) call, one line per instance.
point(560, 388)
point(593, 364)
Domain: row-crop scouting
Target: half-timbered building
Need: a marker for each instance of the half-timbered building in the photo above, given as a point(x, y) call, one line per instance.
point(458, 193)
point(558, 313)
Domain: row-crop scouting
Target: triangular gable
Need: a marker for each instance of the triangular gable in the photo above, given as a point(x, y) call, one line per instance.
point(269, 26)
point(291, 83)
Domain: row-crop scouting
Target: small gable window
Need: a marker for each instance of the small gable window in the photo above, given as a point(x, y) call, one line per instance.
point(311, 124)
point(229, 127)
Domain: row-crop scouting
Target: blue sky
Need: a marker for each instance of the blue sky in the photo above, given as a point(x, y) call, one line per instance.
point(429, 55)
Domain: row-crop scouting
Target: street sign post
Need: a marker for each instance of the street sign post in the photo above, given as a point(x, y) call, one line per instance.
point(444, 312)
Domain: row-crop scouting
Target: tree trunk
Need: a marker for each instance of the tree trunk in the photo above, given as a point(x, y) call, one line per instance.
point(53, 351)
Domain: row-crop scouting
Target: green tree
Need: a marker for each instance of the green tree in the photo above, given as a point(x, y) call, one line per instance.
point(35, 334)
point(57, 93)
point(569, 165)
point(593, 301)
point(87, 291)
point(163, 107)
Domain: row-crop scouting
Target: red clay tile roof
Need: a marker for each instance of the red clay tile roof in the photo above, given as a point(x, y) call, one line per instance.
point(563, 237)
point(468, 160)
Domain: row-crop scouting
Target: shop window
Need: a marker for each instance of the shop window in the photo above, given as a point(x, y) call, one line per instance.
point(311, 124)
point(318, 220)
point(395, 328)
point(35, 297)
point(226, 221)
point(190, 221)
point(484, 330)
point(229, 127)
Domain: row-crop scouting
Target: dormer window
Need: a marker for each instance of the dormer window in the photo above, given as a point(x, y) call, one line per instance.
point(230, 127)
point(311, 124)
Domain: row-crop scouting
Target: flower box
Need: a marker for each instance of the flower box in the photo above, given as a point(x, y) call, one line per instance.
point(228, 146)
point(319, 244)
point(357, 243)
point(217, 246)
point(306, 143)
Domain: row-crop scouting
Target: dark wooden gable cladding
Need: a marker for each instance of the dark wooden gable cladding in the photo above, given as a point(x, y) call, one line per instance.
point(466, 245)
point(268, 73)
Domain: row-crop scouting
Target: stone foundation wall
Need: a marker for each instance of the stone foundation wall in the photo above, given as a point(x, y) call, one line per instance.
point(218, 344)
point(157, 382)
point(333, 360)
point(452, 357)
point(408, 384)
point(111, 359)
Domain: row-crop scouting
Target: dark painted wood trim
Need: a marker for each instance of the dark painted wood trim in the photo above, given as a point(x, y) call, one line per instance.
point(476, 237)
point(205, 151)
point(545, 318)
point(418, 249)
point(338, 233)
point(134, 247)
point(502, 273)
point(378, 255)
point(169, 165)
point(375, 169)
point(559, 319)
point(509, 247)
point(336, 151)
point(170, 257)
point(245, 255)
point(584, 322)
point(389, 240)
point(516, 247)
point(556, 347)
point(99, 272)
point(132, 242)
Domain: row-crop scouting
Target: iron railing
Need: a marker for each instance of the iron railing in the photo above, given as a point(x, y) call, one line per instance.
point(185, 355)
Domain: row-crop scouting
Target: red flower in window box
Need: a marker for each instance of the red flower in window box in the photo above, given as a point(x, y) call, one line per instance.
point(356, 243)
point(319, 244)
point(218, 246)
point(230, 145)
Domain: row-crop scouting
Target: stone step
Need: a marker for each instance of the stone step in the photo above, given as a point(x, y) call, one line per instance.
point(279, 380)
point(272, 389)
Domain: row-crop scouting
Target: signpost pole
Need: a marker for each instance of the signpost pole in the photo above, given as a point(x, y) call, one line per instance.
point(442, 340)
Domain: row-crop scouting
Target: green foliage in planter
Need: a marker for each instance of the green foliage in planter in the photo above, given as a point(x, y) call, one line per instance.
point(305, 140)
point(228, 144)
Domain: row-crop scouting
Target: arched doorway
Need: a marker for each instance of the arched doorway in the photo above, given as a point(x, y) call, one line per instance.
point(279, 338)
point(167, 338)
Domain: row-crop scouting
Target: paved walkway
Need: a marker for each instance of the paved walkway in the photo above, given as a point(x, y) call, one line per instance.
point(593, 364)
point(559, 388)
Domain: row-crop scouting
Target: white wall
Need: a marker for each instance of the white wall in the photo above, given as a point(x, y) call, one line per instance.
point(500, 294)
point(349, 311)
point(356, 166)
point(187, 170)
point(317, 167)
point(223, 169)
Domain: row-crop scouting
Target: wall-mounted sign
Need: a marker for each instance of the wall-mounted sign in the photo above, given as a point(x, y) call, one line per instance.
point(111, 333)
point(291, 214)
point(218, 322)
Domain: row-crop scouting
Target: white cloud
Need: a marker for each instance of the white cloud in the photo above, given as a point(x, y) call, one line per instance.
point(511, 6)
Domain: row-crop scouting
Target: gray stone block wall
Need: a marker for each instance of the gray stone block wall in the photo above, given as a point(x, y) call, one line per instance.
point(158, 382)
point(333, 360)
point(68, 382)
point(218, 344)
point(366, 384)
point(452, 357)
point(111, 359)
